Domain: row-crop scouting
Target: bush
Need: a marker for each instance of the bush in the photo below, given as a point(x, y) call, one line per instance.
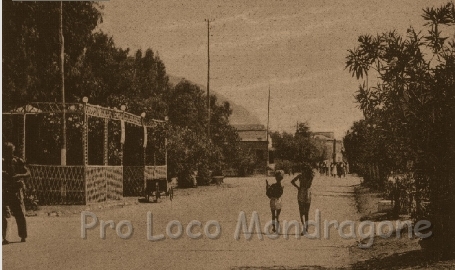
point(185, 176)
point(284, 165)
point(246, 166)
point(203, 174)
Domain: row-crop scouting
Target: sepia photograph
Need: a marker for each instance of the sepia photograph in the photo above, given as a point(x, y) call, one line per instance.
point(234, 134)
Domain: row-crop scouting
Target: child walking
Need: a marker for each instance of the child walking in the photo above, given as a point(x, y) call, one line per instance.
point(274, 193)
point(304, 192)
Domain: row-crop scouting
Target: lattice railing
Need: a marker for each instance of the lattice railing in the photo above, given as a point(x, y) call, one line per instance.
point(53, 184)
point(133, 181)
point(78, 185)
point(104, 183)
point(114, 177)
point(56, 184)
point(96, 184)
point(133, 178)
point(155, 172)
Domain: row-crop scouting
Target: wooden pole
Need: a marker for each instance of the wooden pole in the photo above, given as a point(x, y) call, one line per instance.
point(62, 61)
point(106, 142)
point(24, 133)
point(268, 119)
point(208, 76)
point(85, 134)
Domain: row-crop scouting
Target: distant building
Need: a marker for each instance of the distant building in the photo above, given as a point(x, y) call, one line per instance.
point(253, 139)
point(329, 138)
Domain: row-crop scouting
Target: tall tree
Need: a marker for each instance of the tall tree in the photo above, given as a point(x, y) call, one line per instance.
point(298, 147)
point(412, 108)
point(31, 47)
point(187, 107)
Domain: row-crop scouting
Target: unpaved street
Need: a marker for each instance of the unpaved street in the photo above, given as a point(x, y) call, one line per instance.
point(56, 243)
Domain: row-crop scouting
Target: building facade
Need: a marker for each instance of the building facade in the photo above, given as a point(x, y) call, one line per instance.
point(253, 140)
point(334, 148)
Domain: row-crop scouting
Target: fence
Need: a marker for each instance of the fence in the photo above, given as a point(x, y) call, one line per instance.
point(103, 183)
point(56, 184)
point(60, 185)
point(84, 184)
point(408, 197)
point(408, 191)
point(133, 181)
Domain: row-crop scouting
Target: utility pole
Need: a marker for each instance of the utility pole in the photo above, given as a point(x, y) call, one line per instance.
point(208, 75)
point(268, 118)
point(62, 73)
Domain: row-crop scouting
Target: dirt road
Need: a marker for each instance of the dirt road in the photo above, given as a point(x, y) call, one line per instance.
point(56, 243)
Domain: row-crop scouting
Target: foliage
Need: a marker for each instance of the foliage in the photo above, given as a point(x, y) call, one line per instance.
point(246, 163)
point(187, 107)
point(299, 147)
point(408, 114)
point(285, 165)
point(31, 47)
point(109, 76)
point(203, 174)
point(188, 151)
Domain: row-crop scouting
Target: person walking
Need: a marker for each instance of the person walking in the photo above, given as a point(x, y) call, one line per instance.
point(304, 192)
point(339, 169)
point(13, 173)
point(274, 193)
point(333, 169)
point(326, 167)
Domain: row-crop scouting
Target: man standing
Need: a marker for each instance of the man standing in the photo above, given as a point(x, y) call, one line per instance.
point(304, 192)
point(274, 193)
point(13, 172)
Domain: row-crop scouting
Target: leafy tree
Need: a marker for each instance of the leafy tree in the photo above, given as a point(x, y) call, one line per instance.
point(188, 152)
point(109, 76)
point(246, 163)
point(222, 134)
point(297, 148)
point(187, 107)
point(31, 47)
point(303, 130)
point(410, 110)
point(102, 70)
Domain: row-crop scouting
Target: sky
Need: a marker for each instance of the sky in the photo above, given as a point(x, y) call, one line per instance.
point(297, 48)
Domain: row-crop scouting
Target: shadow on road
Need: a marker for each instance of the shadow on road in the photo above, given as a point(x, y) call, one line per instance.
point(410, 259)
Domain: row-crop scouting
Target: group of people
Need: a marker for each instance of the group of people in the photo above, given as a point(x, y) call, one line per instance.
point(14, 171)
point(334, 169)
point(275, 191)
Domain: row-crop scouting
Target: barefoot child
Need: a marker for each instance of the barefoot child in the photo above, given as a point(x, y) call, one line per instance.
point(304, 192)
point(274, 193)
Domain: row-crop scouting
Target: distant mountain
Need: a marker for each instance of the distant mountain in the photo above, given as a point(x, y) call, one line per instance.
point(240, 115)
